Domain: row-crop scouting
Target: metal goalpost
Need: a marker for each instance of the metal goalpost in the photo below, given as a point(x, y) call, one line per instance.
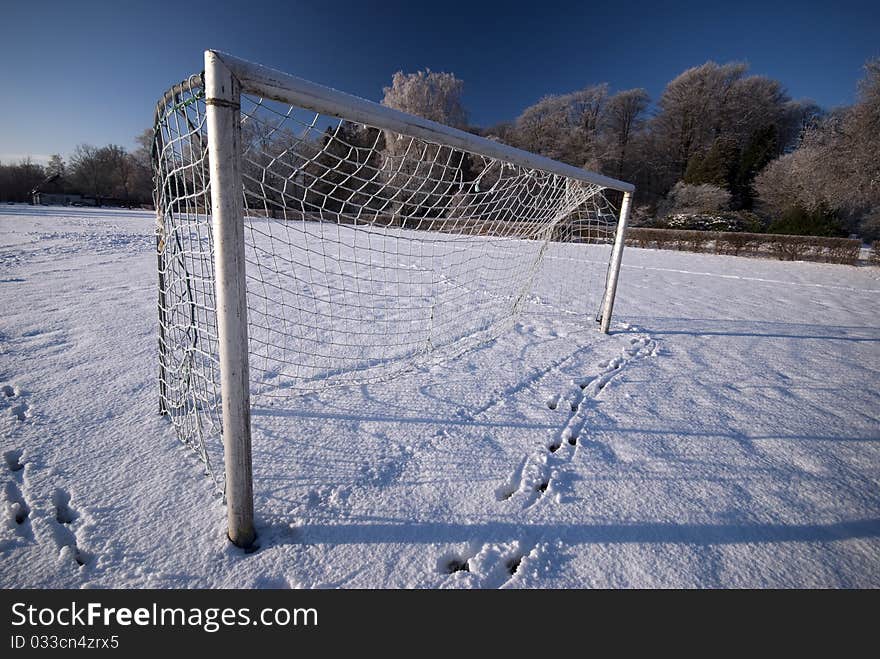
point(226, 80)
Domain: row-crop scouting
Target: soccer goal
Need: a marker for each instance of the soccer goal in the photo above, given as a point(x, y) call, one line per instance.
point(308, 238)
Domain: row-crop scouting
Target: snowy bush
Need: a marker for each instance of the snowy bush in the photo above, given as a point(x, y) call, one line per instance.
point(790, 248)
point(691, 199)
point(691, 241)
point(739, 243)
point(717, 221)
point(783, 247)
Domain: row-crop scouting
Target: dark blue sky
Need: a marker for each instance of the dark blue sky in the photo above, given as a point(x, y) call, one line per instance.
point(90, 71)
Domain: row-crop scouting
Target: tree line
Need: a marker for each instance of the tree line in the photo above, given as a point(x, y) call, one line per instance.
point(104, 173)
point(719, 149)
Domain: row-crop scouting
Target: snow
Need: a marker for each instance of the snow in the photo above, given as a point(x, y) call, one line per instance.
point(725, 434)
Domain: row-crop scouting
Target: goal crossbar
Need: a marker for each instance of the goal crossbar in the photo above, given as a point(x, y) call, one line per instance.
point(283, 87)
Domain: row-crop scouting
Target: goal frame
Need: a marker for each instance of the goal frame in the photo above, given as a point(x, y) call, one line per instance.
point(226, 79)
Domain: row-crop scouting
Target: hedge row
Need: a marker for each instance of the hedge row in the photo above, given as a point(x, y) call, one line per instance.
point(783, 247)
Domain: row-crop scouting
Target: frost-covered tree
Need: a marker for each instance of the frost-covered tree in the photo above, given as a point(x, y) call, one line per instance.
point(624, 117)
point(836, 165)
point(541, 128)
point(718, 125)
point(427, 176)
point(800, 116)
point(504, 131)
point(847, 146)
point(715, 101)
point(750, 104)
point(790, 180)
point(690, 199)
point(566, 127)
point(428, 94)
point(690, 109)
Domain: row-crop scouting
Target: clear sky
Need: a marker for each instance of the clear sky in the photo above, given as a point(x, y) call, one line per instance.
point(75, 71)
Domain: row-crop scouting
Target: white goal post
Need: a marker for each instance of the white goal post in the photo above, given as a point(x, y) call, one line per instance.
point(328, 239)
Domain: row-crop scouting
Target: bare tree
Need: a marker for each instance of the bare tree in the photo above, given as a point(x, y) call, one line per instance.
point(142, 176)
point(89, 171)
point(120, 167)
point(55, 165)
point(17, 180)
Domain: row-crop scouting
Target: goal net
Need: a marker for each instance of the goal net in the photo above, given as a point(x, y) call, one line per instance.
point(368, 251)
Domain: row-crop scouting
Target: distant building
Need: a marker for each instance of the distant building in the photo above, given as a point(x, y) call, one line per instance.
point(61, 199)
point(52, 191)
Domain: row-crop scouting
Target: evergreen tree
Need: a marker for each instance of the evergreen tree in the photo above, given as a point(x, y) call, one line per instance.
point(762, 147)
point(798, 221)
point(343, 177)
point(717, 167)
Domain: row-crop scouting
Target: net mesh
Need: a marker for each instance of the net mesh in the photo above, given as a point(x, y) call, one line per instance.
point(368, 252)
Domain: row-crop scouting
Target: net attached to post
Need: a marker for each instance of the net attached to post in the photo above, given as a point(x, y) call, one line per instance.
point(369, 252)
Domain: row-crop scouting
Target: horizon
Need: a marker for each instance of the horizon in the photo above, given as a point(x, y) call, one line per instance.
point(104, 103)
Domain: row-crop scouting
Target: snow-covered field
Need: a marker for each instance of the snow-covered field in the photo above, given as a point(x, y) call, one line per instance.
point(726, 434)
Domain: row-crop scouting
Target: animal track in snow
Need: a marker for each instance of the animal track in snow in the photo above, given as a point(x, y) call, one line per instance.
point(11, 398)
point(455, 561)
point(27, 517)
point(493, 565)
point(534, 476)
point(509, 488)
point(639, 348)
point(18, 511)
point(65, 537)
point(13, 460)
point(64, 514)
point(33, 521)
point(513, 564)
point(531, 381)
point(456, 565)
point(20, 411)
point(536, 479)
